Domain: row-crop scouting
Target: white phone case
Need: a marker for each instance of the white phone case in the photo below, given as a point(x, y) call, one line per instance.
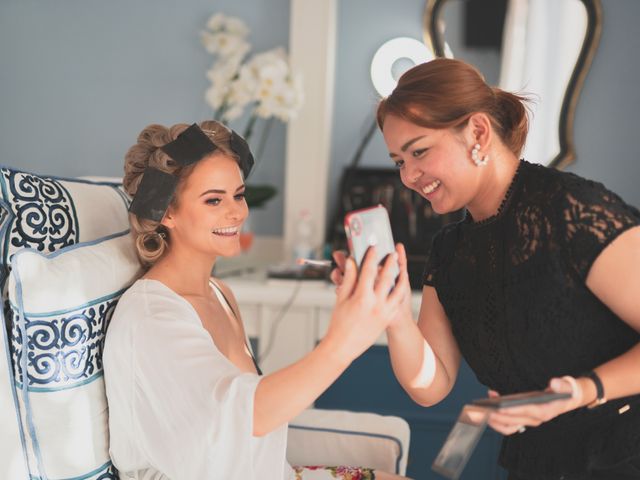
point(368, 227)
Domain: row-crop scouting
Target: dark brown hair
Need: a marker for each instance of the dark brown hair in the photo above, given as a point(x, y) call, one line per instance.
point(151, 237)
point(444, 93)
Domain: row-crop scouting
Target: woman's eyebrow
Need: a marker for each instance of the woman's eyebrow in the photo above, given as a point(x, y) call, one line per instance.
point(221, 192)
point(411, 142)
point(407, 145)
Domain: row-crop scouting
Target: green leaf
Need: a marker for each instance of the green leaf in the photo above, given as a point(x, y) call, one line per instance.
point(259, 195)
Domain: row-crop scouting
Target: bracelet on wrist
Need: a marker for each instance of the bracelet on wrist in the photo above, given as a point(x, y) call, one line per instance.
point(600, 396)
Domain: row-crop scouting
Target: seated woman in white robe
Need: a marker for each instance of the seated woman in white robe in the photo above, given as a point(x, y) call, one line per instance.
point(186, 398)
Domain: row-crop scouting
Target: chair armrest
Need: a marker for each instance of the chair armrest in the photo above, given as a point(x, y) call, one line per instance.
point(338, 437)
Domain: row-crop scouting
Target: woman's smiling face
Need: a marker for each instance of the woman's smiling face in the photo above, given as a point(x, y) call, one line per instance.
point(436, 163)
point(211, 208)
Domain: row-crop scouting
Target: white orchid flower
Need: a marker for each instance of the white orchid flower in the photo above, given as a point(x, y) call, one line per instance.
point(214, 97)
point(264, 83)
point(237, 26)
point(234, 112)
point(216, 22)
point(224, 44)
point(220, 22)
point(224, 70)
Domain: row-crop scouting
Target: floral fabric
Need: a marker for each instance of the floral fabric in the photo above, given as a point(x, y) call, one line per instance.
point(341, 473)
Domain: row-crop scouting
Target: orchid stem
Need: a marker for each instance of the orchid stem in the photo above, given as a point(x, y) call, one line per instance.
point(263, 140)
point(220, 111)
point(249, 128)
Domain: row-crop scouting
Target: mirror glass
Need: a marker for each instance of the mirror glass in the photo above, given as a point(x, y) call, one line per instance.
point(523, 46)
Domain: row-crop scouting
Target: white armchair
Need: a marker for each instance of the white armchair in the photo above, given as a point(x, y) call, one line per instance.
point(53, 415)
point(338, 437)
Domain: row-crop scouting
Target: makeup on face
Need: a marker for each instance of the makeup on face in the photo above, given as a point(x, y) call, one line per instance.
point(406, 146)
point(214, 198)
point(233, 229)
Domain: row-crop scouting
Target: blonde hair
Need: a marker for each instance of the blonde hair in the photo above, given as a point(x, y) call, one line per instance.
point(151, 237)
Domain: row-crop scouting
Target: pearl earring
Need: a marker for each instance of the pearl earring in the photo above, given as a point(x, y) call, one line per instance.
point(475, 156)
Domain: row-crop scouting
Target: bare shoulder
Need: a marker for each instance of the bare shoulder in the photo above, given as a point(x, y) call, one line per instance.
point(614, 279)
point(622, 254)
point(430, 301)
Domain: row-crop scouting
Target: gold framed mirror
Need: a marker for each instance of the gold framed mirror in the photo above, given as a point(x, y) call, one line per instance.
point(556, 83)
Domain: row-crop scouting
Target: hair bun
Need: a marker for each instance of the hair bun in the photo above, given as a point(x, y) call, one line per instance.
point(513, 118)
point(444, 93)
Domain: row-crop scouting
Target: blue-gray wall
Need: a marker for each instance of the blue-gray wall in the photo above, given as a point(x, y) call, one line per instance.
point(363, 26)
point(607, 131)
point(80, 79)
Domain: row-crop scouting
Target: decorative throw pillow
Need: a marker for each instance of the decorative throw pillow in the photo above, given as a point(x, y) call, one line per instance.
point(60, 307)
point(12, 458)
point(45, 213)
point(49, 213)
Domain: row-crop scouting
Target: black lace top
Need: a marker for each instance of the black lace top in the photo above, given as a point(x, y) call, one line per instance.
point(513, 287)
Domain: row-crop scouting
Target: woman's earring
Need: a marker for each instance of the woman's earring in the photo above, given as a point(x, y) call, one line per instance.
point(475, 156)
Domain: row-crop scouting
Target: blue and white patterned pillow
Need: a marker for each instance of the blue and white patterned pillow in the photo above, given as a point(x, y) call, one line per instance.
point(61, 305)
point(47, 214)
point(12, 453)
point(50, 213)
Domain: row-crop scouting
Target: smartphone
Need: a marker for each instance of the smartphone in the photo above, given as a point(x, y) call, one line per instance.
point(461, 442)
point(516, 399)
point(368, 227)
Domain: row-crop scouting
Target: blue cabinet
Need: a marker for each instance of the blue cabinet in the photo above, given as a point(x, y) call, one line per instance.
point(369, 385)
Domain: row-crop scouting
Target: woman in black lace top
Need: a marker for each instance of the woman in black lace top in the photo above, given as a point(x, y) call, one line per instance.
point(537, 288)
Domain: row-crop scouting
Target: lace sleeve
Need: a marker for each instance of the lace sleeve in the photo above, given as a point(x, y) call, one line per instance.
point(592, 217)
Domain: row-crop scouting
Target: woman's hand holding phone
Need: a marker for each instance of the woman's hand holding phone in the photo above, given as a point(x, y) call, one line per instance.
point(404, 312)
point(337, 274)
point(365, 305)
point(401, 285)
point(516, 419)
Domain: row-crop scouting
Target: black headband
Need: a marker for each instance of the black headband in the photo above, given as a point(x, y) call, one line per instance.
point(190, 146)
point(154, 194)
point(156, 188)
point(240, 147)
